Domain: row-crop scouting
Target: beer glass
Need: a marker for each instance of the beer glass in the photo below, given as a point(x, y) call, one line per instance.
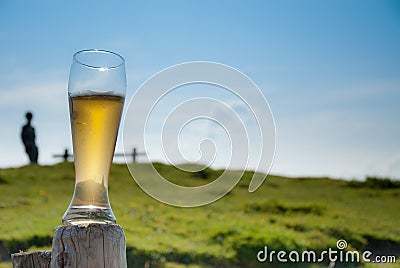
point(96, 93)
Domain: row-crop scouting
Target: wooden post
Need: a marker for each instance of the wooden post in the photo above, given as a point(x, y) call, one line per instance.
point(31, 259)
point(95, 245)
point(90, 246)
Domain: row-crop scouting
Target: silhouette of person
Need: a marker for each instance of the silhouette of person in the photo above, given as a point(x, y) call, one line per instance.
point(28, 138)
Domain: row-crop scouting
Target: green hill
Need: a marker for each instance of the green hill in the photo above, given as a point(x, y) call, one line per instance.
point(284, 214)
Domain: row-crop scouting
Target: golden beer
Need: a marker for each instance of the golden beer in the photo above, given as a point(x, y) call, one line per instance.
point(94, 123)
point(95, 113)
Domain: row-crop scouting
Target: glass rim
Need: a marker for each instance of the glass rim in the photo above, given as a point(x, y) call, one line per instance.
point(76, 54)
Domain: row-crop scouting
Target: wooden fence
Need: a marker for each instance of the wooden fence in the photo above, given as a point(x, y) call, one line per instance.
point(134, 154)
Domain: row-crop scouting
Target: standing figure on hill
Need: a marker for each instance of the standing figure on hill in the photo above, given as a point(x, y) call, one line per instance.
point(28, 138)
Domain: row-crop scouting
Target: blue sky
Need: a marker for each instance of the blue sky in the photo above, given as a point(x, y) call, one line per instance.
point(329, 70)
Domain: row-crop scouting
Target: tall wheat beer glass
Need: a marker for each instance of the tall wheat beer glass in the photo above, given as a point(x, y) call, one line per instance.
point(96, 92)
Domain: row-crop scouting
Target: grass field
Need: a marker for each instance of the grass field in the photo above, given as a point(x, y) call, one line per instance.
point(284, 214)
